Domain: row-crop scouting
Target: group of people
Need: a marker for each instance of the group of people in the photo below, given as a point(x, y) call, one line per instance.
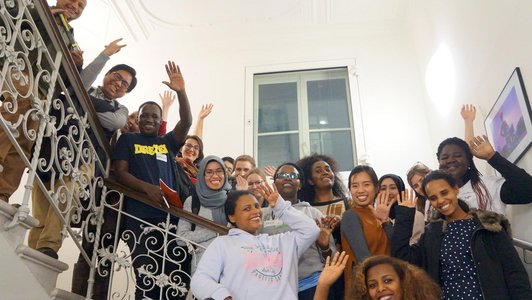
point(446, 237)
point(306, 235)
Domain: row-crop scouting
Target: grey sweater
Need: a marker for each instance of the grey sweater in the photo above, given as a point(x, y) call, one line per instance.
point(312, 261)
point(200, 236)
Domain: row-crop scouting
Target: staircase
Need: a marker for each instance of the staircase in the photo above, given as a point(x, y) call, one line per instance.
point(26, 274)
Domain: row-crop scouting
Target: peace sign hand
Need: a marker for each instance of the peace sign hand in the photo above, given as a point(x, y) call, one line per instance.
point(113, 47)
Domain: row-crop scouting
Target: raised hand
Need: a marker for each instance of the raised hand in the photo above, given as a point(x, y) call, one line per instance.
point(468, 112)
point(481, 148)
point(268, 193)
point(241, 183)
point(382, 209)
point(113, 47)
point(167, 98)
point(333, 269)
point(205, 110)
point(177, 83)
point(269, 171)
point(409, 198)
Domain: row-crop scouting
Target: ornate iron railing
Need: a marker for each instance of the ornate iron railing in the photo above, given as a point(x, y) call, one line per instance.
point(48, 125)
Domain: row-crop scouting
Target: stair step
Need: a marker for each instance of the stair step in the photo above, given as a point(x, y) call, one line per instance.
point(59, 294)
point(14, 236)
point(44, 268)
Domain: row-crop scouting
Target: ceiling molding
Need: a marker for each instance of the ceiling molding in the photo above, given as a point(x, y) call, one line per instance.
point(143, 18)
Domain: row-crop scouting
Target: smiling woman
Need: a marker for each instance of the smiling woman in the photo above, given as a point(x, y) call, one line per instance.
point(386, 278)
point(484, 192)
point(363, 233)
point(207, 201)
point(288, 179)
point(267, 263)
point(190, 155)
point(322, 189)
point(466, 252)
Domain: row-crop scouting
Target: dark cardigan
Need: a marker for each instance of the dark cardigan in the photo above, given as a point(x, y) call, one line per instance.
point(500, 271)
point(517, 189)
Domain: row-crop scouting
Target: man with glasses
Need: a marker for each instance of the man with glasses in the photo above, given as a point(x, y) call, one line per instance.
point(117, 82)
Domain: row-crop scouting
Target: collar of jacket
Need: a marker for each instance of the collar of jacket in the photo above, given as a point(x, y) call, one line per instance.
point(488, 220)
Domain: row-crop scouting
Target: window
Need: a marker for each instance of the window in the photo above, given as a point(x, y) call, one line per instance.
point(298, 113)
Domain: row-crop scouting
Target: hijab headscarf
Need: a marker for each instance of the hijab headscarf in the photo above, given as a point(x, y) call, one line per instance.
point(400, 187)
point(209, 198)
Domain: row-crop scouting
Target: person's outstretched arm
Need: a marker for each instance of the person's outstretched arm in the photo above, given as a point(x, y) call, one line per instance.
point(206, 109)
point(205, 281)
point(91, 71)
point(330, 273)
point(517, 187)
point(167, 99)
point(304, 228)
point(468, 113)
point(402, 231)
point(177, 84)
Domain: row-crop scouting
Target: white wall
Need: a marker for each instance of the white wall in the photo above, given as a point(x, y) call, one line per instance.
point(487, 40)
point(214, 68)
point(401, 126)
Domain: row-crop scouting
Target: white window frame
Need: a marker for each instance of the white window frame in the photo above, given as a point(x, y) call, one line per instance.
point(250, 113)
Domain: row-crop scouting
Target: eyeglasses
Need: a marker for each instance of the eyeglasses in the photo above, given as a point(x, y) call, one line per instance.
point(190, 147)
point(286, 176)
point(255, 183)
point(124, 85)
point(219, 172)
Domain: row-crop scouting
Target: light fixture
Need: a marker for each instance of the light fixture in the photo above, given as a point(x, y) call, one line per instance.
point(440, 79)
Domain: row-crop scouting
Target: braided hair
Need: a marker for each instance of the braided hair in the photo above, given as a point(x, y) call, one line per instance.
point(472, 174)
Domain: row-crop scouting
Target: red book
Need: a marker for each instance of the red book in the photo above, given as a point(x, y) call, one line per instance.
point(170, 196)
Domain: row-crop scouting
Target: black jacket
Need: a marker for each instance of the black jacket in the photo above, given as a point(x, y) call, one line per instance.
point(517, 189)
point(500, 271)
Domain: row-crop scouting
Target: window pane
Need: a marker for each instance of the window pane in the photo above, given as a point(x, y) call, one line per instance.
point(276, 149)
point(337, 144)
point(327, 104)
point(278, 107)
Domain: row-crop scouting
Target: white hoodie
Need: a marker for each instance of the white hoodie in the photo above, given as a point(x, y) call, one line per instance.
point(246, 266)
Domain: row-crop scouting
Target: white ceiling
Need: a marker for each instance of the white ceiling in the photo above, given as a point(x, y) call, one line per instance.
point(142, 19)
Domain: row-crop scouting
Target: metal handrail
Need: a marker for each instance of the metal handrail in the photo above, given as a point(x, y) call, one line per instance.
point(526, 246)
point(522, 244)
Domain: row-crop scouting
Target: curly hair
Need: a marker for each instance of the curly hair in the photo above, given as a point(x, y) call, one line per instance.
point(472, 173)
point(308, 193)
point(415, 282)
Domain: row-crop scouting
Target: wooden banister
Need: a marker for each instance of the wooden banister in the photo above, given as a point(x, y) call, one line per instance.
point(192, 218)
